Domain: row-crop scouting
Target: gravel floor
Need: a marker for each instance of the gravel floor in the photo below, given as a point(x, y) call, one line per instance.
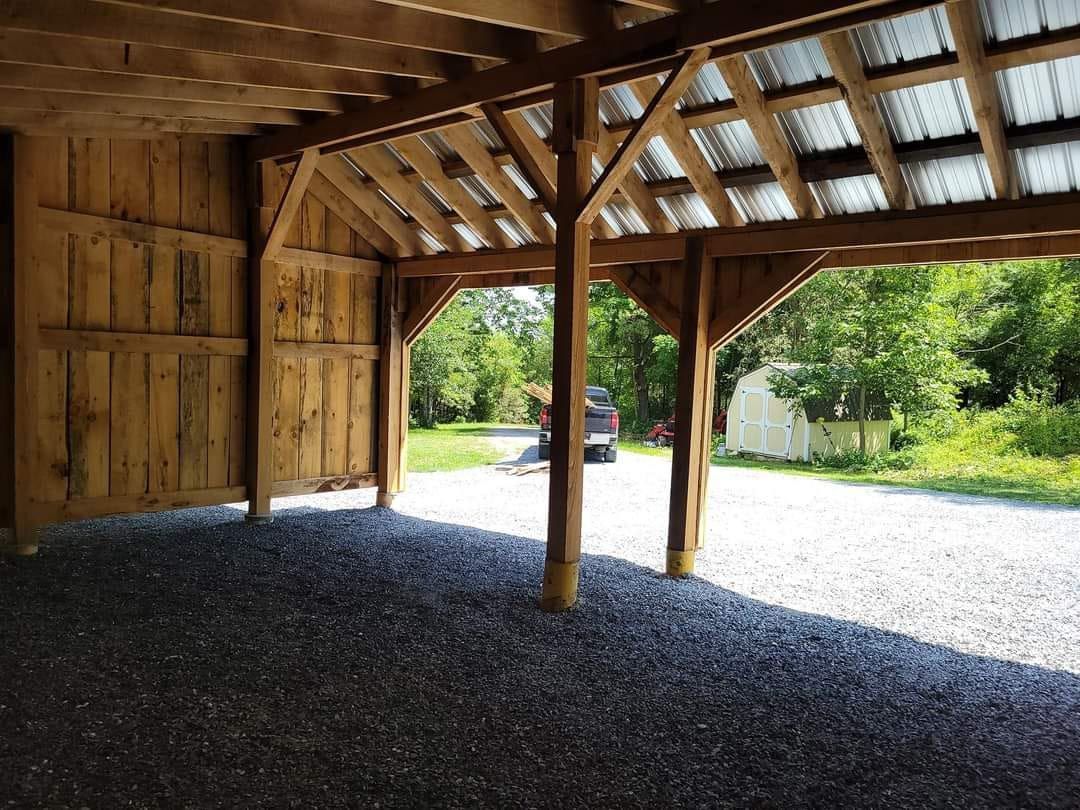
point(845, 646)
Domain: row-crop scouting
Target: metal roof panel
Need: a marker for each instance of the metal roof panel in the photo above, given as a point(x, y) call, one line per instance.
point(935, 110)
point(949, 180)
point(904, 38)
point(1044, 91)
point(1048, 169)
point(1009, 19)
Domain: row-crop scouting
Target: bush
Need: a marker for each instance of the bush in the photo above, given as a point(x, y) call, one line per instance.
point(857, 461)
point(1042, 429)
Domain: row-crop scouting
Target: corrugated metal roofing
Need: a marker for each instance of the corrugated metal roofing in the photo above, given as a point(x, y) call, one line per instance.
point(949, 180)
point(512, 228)
point(687, 211)
point(708, 87)
point(1048, 169)
point(1009, 19)
point(904, 38)
point(618, 105)
point(927, 111)
point(821, 128)
point(519, 180)
point(764, 203)
point(439, 145)
point(435, 198)
point(1041, 92)
point(789, 64)
point(623, 218)
point(430, 240)
point(480, 191)
point(657, 162)
point(728, 146)
point(471, 237)
point(850, 195)
point(539, 119)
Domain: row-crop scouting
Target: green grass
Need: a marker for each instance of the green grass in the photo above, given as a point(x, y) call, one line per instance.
point(451, 447)
point(973, 461)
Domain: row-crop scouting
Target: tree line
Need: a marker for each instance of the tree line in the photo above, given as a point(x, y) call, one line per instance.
point(929, 338)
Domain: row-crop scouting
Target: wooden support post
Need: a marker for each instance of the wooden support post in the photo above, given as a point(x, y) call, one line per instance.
point(706, 444)
point(574, 139)
point(20, 313)
point(393, 391)
point(260, 439)
point(691, 412)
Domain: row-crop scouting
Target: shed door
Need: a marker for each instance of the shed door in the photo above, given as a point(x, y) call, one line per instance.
point(765, 423)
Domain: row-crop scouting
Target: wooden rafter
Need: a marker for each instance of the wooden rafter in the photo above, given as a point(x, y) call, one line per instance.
point(698, 171)
point(429, 167)
point(848, 71)
point(982, 90)
point(359, 19)
point(377, 162)
point(634, 188)
point(289, 205)
point(528, 161)
point(751, 102)
point(570, 18)
point(82, 18)
point(466, 144)
point(403, 241)
point(375, 240)
point(647, 126)
point(427, 309)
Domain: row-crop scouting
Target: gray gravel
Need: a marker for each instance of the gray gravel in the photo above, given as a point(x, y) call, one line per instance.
point(363, 656)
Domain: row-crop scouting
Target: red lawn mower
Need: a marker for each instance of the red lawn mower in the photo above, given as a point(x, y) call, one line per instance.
point(662, 434)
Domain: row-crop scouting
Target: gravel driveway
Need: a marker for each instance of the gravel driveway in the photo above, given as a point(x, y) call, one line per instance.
point(844, 646)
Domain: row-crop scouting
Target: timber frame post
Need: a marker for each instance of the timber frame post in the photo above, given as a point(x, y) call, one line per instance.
point(690, 462)
point(269, 222)
point(574, 137)
point(20, 318)
point(393, 424)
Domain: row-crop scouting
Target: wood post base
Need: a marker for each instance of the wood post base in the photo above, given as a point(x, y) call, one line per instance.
point(18, 544)
point(680, 563)
point(258, 520)
point(560, 586)
point(384, 499)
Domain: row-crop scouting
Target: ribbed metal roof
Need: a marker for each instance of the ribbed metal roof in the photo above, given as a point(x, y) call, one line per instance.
point(1009, 19)
point(1048, 169)
point(1041, 92)
point(821, 128)
point(904, 38)
point(789, 64)
point(935, 110)
point(949, 180)
point(850, 195)
point(687, 211)
point(764, 203)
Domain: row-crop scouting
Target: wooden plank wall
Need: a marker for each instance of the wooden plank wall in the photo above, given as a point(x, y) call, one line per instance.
point(7, 330)
point(127, 431)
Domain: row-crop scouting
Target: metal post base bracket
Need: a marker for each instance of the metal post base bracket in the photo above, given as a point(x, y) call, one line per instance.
point(23, 550)
point(258, 520)
point(384, 499)
point(680, 563)
point(560, 586)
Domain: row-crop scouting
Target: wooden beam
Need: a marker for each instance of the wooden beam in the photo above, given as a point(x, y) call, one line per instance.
point(393, 422)
point(90, 125)
point(687, 471)
point(269, 83)
point(576, 126)
point(289, 205)
point(634, 188)
point(751, 101)
point(999, 250)
point(637, 286)
point(21, 311)
point(401, 241)
point(85, 508)
point(728, 29)
point(430, 168)
point(647, 126)
point(849, 73)
point(982, 90)
point(376, 242)
point(570, 18)
point(82, 18)
point(330, 261)
point(89, 340)
point(428, 308)
point(327, 483)
point(379, 164)
point(690, 157)
point(362, 20)
point(527, 161)
point(782, 275)
point(465, 142)
point(262, 181)
point(50, 101)
point(127, 231)
point(326, 351)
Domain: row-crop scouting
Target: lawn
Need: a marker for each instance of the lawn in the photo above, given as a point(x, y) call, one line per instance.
point(451, 447)
point(967, 464)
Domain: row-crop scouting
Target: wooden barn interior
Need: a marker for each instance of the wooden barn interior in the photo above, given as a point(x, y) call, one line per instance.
point(223, 224)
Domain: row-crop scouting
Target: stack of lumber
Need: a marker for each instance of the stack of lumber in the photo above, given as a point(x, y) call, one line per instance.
point(543, 393)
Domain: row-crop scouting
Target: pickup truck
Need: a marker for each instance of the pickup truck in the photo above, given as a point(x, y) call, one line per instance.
point(601, 426)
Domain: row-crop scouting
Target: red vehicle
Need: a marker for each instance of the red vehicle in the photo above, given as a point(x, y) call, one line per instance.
point(663, 433)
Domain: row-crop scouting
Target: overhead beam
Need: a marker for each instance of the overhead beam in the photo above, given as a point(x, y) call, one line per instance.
point(127, 59)
point(359, 19)
point(647, 126)
point(982, 90)
point(774, 147)
point(528, 161)
point(728, 29)
point(848, 71)
point(84, 18)
point(570, 18)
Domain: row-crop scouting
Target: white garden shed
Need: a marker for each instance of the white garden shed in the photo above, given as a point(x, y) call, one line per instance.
point(760, 423)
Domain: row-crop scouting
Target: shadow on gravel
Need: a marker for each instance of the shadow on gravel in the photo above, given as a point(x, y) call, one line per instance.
point(339, 658)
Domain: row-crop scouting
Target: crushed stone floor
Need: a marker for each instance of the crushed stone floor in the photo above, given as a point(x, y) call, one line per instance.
point(365, 657)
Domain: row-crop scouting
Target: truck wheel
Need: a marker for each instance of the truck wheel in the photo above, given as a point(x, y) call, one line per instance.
point(543, 451)
point(609, 456)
